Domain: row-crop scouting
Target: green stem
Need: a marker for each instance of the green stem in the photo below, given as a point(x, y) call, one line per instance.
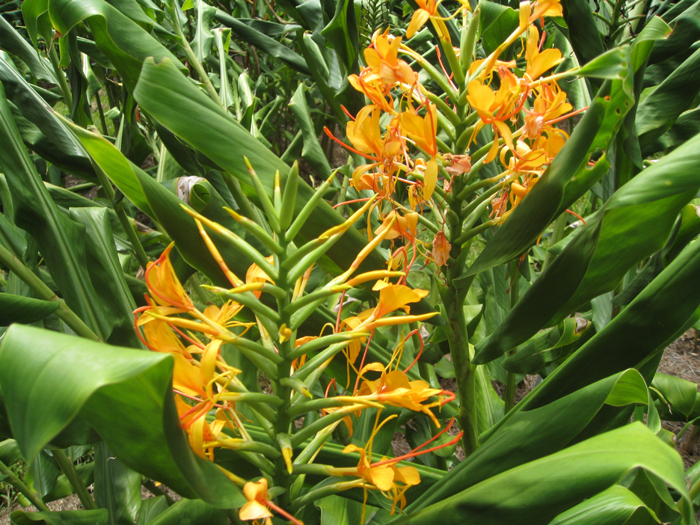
point(101, 112)
point(67, 467)
point(132, 235)
point(64, 313)
point(196, 64)
point(157, 491)
point(19, 485)
point(62, 83)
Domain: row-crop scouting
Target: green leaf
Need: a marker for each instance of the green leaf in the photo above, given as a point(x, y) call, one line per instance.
point(513, 443)
point(107, 275)
point(43, 131)
point(660, 109)
point(497, 22)
point(537, 492)
point(123, 41)
point(62, 517)
point(117, 488)
point(63, 488)
point(313, 152)
point(582, 30)
point(60, 240)
point(632, 225)
point(192, 512)
point(54, 378)
point(210, 130)
point(263, 42)
point(679, 393)
point(19, 309)
point(151, 508)
point(615, 506)
point(12, 42)
point(645, 326)
point(342, 34)
point(42, 474)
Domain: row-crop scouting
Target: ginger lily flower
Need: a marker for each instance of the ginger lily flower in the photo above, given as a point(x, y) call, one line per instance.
point(163, 283)
point(256, 507)
point(384, 63)
point(441, 249)
point(538, 63)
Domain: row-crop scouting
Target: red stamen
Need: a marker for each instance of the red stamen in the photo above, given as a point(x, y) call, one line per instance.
point(413, 454)
point(577, 216)
point(362, 363)
point(349, 148)
point(351, 202)
point(347, 112)
point(564, 117)
point(450, 396)
point(420, 352)
point(328, 388)
point(284, 513)
point(198, 344)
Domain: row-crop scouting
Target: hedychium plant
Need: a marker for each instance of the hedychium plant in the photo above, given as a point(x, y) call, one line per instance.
point(488, 112)
point(277, 391)
point(293, 364)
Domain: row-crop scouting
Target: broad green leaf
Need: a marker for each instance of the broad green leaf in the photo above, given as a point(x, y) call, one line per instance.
point(210, 130)
point(12, 42)
point(537, 492)
point(44, 132)
point(631, 338)
point(312, 152)
point(117, 488)
point(615, 506)
point(106, 274)
point(61, 517)
point(55, 378)
point(546, 346)
point(679, 393)
point(632, 225)
point(60, 239)
point(342, 34)
point(660, 109)
point(686, 126)
point(63, 488)
point(122, 40)
point(203, 37)
point(151, 508)
point(497, 22)
point(42, 474)
point(263, 42)
point(582, 30)
point(19, 309)
point(192, 512)
point(514, 442)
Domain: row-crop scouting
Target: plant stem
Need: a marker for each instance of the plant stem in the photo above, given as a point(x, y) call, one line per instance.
point(62, 83)
point(156, 491)
point(453, 296)
point(64, 313)
point(18, 484)
point(196, 64)
point(67, 467)
point(132, 235)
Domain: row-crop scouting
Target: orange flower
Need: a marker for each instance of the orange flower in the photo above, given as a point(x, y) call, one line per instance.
point(388, 478)
point(395, 296)
point(256, 508)
point(394, 388)
point(163, 284)
point(382, 57)
point(404, 226)
point(538, 63)
point(422, 130)
point(427, 8)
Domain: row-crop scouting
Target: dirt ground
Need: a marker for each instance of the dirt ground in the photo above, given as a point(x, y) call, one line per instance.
point(681, 359)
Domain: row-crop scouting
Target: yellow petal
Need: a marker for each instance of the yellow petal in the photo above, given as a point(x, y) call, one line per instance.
point(430, 179)
point(253, 510)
